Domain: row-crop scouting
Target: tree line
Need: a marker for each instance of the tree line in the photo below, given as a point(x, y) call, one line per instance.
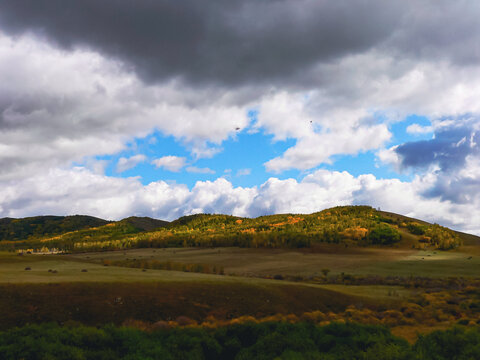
point(273, 340)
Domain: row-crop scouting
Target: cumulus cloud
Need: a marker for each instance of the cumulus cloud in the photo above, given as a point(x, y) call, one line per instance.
point(170, 163)
point(125, 164)
point(390, 157)
point(60, 107)
point(315, 149)
point(419, 129)
point(85, 82)
point(80, 191)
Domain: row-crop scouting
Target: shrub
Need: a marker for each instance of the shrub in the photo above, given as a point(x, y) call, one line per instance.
point(416, 228)
point(384, 234)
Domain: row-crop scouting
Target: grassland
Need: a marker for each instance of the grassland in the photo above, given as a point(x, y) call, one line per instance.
point(106, 294)
point(353, 260)
point(242, 262)
point(80, 288)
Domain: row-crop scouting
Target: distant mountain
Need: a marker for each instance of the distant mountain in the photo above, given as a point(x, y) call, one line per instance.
point(347, 225)
point(201, 218)
point(67, 227)
point(145, 223)
point(41, 226)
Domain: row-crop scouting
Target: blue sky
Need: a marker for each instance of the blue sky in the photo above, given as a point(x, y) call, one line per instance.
point(241, 158)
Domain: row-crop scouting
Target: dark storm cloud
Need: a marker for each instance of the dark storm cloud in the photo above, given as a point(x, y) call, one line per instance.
point(459, 190)
point(218, 41)
point(449, 150)
point(441, 30)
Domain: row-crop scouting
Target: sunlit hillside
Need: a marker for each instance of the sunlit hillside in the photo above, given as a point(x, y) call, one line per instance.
point(347, 225)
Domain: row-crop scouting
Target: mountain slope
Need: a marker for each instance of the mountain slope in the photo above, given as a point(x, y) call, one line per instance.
point(467, 239)
point(145, 223)
point(40, 226)
point(346, 225)
point(349, 225)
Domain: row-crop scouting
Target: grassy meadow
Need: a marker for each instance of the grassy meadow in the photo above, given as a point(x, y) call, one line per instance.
point(304, 262)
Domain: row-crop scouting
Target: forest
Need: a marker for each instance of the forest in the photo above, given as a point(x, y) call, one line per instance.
point(242, 341)
point(348, 225)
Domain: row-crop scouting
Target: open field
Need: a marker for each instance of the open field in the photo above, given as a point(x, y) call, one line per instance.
point(435, 264)
point(12, 270)
point(114, 294)
point(245, 261)
point(357, 261)
point(69, 267)
point(69, 270)
point(106, 294)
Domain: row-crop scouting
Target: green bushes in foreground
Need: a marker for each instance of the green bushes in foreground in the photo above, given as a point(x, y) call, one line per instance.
point(241, 341)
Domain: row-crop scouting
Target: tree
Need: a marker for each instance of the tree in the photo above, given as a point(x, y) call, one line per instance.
point(384, 234)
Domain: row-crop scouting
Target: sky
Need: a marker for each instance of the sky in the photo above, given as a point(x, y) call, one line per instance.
point(163, 108)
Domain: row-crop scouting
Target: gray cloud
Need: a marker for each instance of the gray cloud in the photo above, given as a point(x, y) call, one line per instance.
point(451, 150)
point(208, 41)
point(448, 149)
point(442, 30)
point(233, 42)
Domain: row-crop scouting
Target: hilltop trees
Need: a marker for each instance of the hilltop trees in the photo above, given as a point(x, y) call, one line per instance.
point(358, 225)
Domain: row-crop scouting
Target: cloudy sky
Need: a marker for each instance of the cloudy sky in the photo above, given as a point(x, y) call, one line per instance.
point(164, 108)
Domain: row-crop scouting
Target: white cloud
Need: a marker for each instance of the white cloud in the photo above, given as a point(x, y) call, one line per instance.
point(390, 157)
point(419, 129)
point(313, 150)
point(59, 107)
point(80, 191)
point(197, 170)
point(170, 163)
point(358, 96)
point(124, 164)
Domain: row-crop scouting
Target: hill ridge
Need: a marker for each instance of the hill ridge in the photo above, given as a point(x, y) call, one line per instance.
point(350, 225)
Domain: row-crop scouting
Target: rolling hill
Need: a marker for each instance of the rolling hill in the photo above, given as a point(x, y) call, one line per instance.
point(40, 226)
point(346, 225)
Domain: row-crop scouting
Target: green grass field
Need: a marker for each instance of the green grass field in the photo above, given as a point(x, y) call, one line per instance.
point(242, 262)
point(437, 264)
point(69, 270)
point(106, 294)
point(357, 261)
point(80, 288)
